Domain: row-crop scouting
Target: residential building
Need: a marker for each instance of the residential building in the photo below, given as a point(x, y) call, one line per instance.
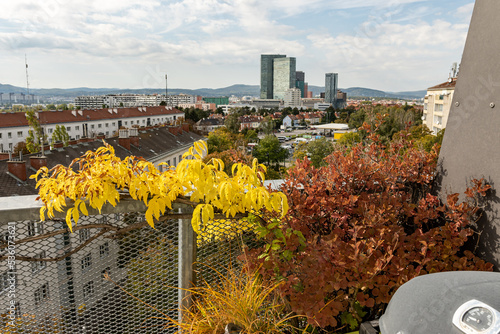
point(292, 97)
point(437, 105)
point(331, 87)
point(250, 122)
point(284, 76)
point(198, 105)
point(267, 75)
point(14, 127)
point(131, 100)
point(207, 125)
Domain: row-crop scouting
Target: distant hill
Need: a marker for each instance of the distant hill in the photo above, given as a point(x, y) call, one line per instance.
point(237, 90)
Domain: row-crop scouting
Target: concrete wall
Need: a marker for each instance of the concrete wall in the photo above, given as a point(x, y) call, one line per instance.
point(471, 144)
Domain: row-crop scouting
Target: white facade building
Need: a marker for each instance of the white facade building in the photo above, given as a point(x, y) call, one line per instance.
point(84, 123)
point(292, 97)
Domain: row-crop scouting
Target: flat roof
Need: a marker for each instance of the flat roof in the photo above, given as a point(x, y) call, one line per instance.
point(332, 126)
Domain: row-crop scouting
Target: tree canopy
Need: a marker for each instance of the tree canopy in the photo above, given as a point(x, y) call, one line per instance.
point(101, 175)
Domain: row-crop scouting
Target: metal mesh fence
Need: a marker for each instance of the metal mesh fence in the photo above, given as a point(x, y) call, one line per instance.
point(220, 247)
point(62, 282)
point(67, 291)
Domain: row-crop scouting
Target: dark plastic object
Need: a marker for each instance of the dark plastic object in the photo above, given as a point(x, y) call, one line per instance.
point(369, 327)
point(426, 304)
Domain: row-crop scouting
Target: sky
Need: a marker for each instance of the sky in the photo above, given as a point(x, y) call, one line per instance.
point(391, 45)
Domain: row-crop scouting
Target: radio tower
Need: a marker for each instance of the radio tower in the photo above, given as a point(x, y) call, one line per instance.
point(27, 79)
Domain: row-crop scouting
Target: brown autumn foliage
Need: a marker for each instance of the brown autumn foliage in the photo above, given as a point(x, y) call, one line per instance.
point(371, 223)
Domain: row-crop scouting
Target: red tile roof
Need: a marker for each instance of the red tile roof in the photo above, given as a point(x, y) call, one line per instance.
point(445, 85)
point(69, 116)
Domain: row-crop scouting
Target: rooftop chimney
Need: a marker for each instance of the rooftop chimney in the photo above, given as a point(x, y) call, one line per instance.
point(38, 162)
point(123, 139)
point(17, 168)
point(134, 137)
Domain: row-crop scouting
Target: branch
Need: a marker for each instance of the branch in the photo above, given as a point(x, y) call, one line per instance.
point(105, 229)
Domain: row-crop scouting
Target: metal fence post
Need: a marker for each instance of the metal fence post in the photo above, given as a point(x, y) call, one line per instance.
point(187, 259)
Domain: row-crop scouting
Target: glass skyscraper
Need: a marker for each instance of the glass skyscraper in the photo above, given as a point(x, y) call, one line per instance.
point(331, 87)
point(267, 75)
point(284, 76)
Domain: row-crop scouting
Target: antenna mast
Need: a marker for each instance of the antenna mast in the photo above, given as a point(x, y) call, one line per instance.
point(27, 80)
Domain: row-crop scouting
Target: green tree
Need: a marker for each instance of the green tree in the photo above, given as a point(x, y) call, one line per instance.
point(232, 122)
point(35, 132)
point(60, 135)
point(220, 140)
point(269, 150)
point(316, 151)
point(267, 125)
point(349, 139)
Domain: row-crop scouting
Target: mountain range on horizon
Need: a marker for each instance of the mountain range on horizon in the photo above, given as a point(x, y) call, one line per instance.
point(239, 90)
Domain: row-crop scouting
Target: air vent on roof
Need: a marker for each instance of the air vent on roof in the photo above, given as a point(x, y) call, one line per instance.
point(73, 112)
point(115, 111)
point(110, 111)
point(80, 112)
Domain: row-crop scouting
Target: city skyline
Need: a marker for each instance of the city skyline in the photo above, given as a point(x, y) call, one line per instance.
point(388, 45)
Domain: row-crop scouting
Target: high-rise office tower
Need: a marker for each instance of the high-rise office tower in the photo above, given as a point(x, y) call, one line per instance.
point(331, 86)
point(267, 75)
point(300, 82)
point(284, 76)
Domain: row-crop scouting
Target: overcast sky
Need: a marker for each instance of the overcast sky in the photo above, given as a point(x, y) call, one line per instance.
point(392, 45)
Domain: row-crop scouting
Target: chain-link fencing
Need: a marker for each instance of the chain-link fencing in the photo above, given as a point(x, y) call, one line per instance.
point(114, 274)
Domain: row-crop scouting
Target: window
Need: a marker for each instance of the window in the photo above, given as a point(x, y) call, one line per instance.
point(168, 162)
point(103, 220)
point(107, 133)
point(77, 137)
point(37, 266)
point(77, 128)
point(42, 293)
point(19, 133)
point(99, 126)
point(438, 107)
point(104, 250)
point(117, 216)
point(84, 235)
point(35, 228)
point(113, 124)
point(11, 146)
point(126, 122)
point(68, 128)
point(50, 130)
point(143, 121)
point(180, 158)
point(175, 161)
point(87, 261)
point(106, 125)
point(0, 135)
point(88, 289)
point(9, 135)
point(131, 122)
point(92, 126)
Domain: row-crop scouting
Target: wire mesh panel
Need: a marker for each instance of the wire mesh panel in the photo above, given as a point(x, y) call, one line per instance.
point(220, 247)
point(88, 281)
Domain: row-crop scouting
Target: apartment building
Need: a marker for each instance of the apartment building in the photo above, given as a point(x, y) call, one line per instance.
point(131, 100)
point(84, 123)
point(437, 105)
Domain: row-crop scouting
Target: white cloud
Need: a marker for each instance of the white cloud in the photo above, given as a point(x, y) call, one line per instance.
point(390, 49)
